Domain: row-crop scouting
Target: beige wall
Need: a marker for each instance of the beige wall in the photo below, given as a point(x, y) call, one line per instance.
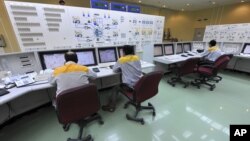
point(181, 24)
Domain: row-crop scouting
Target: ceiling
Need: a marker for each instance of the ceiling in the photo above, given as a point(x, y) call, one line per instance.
point(184, 5)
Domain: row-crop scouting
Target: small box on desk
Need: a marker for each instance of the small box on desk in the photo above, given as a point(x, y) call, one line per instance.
point(239, 132)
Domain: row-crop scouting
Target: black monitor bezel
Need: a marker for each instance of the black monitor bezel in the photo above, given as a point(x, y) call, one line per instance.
point(87, 49)
point(172, 45)
point(244, 47)
point(190, 46)
point(42, 53)
point(157, 45)
point(177, 47)
point(105, 48)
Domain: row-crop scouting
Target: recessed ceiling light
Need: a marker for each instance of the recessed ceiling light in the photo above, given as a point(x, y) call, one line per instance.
point(182, 9)
point(139, 1)
point(213, 2)
point(187, 4)
point(242, 1)
point(164, 6)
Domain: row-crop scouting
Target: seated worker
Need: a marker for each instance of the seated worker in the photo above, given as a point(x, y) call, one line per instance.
point(210, 55)
point(130, 66)
point(71, 74)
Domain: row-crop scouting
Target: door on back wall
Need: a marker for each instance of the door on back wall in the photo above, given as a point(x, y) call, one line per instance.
point(198, 34)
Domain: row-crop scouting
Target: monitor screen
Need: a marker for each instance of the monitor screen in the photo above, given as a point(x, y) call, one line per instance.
point(158, 50)
point(107, 55)
point(198, 45)
point(52, 60)
point(86, 57)
point(179, 49)
point(186, 47)
point(169, 49)
point(246, 48)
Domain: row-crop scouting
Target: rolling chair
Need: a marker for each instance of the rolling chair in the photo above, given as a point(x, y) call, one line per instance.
point(144, 89)
point(185, 68)
point(216, 77)
point(208, 71)
point(78, 105)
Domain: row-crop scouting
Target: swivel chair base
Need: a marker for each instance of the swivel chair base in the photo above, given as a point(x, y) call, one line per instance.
point(138, 109)
point(203, 80)
point(83, 123)
point(174, 80)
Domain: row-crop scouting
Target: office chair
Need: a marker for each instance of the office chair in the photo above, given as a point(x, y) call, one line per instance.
point(208, 71)
point(78, 105)
point(145, 88)
point(185, 68)
point(216, 77)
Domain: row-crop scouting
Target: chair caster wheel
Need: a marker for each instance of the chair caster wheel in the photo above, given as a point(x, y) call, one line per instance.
point(154, 114)
point(127, 117)
point(101, 122)
point(142, 122)
point(66, 127)
point(173, 85)
point(185, 86)
point(125, 106)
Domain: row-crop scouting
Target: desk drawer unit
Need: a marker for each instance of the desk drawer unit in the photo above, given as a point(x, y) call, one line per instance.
point(243, 64)
point(111, 80)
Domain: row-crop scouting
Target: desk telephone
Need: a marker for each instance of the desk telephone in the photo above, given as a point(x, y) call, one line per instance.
point(24, 80)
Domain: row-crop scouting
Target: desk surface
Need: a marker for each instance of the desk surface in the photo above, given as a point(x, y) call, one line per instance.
point(17, 92)
point(170, 59)
point(243, 56)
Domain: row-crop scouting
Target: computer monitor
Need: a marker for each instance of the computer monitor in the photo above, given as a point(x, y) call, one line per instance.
point(86, 57)
point(107, 55)
point(158, 51)
point(179, 48)
point(168, 49)
point(246, 48)
point(51, 59)
point(187, 47)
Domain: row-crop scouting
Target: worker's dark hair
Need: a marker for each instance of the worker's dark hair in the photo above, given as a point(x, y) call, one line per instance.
point(128, 50)
point(212, 43)
point(70, 56)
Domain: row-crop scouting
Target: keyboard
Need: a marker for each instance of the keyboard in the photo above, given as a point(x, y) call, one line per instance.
point(172, 57)
point(190, 54)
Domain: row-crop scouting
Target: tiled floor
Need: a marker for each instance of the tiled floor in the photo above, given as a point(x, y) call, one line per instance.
point(182, 114)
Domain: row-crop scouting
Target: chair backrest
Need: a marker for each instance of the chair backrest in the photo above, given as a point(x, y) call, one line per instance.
point(77, 103)
point(221, 63)
point(188, 66)
point(147, 86)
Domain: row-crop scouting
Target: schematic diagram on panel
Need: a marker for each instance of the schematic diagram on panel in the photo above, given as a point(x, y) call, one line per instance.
point(158, 32)
point(96, 28)
point(134, 33)
point(211, 32)
point(147, 27)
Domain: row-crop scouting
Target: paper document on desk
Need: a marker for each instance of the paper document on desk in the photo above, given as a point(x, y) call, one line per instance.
point(42, 77)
